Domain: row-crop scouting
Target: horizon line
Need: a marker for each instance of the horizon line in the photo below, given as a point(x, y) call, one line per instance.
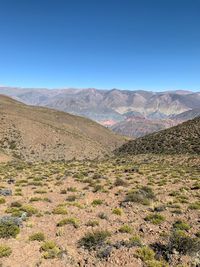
point(100, 89)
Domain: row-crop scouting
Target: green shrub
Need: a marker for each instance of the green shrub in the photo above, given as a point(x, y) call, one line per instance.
point(60, 210)
point(143, 195)
point(120, 182)
point(2, 200)
point(194, 206)
point(50, 250)
point(71, 198)
point(117, 211)
point(135, 241)
point(8, 229)
point(145, 254)
point(125, 229)
point(37, 237)
point(180, 225)
point(155, 218)
point(30, 210)
point(92, 240)
point(183, 243)
point(97, 202)
point(5, 251)
point(72, 221)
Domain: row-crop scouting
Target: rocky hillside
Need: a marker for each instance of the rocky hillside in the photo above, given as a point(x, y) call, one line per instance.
point(35, 133)
point(187, 115)
point(180, 139)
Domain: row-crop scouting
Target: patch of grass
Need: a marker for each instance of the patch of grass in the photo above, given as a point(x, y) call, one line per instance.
point(155, 218)
point(60, 210)
point(37, 237)
point(72, 221)
point(97, 202)
point(194, 206)
point(117, 211)
point(180, 225)
point(125, 229)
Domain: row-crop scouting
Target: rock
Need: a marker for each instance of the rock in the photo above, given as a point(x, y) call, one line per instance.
point(104, 252)
point(13, 220)
point(5, 192)
point(11, 181)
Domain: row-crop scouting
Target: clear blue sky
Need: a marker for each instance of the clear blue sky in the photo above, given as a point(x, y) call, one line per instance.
point(127, 44)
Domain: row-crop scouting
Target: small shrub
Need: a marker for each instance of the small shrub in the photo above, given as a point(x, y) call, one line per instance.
point(145, 254)
point(135, 241)
point(8, 229)
point(143, 195)
point(16, 204)
point(50, 250)
point(183, 243)
point(125, 229)
point(155, 218)
point(5, 251)
point(97, 202)
point(71, 198)
point(92, 223)
point(37, 237)
point(120, 182)
point(60, 210)
point(2, 200)
point(194, 206)
point(117, 211)
point(72, 221)
point(30, 210)
point(180, 225)
point(92, 240)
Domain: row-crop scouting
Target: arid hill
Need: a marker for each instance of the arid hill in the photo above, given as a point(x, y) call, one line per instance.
point(35, 133)
point(181, 139)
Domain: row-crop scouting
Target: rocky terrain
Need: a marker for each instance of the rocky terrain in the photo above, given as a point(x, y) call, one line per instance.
point(36, 133)
point(124, 211)
point(180, 139)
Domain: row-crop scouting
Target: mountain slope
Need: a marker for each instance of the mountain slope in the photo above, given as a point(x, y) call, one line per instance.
point(187, 115)
point(35, 133)
point(183, 138)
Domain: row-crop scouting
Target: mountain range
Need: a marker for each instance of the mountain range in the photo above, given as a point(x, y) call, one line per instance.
point(131, 113)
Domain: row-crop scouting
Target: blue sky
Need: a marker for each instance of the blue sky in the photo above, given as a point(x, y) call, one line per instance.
point(127, 44)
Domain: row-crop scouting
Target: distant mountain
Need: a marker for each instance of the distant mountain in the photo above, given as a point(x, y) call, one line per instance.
point(131, 113)
point(37, 133)
point(105, 105)
point(180, 139)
